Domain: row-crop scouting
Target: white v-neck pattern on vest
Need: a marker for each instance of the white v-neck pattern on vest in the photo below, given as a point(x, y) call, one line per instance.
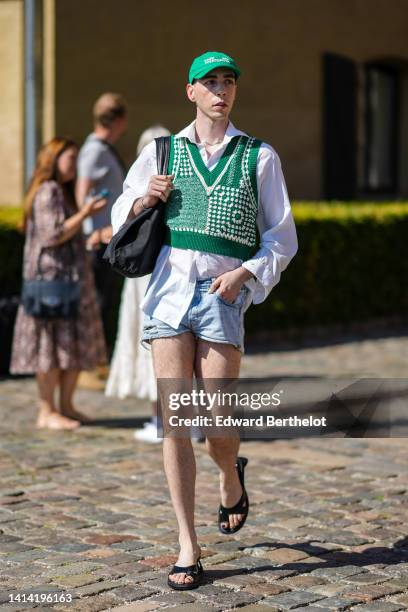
point(208, 188)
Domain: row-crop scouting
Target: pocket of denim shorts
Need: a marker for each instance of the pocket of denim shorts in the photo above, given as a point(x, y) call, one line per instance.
point(239, 300)
point(148, 327)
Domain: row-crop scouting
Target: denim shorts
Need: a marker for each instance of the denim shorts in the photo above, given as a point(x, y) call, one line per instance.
point(208, 317)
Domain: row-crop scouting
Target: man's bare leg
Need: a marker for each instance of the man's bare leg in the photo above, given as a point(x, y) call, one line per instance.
point(216, 360)
point(174, 358)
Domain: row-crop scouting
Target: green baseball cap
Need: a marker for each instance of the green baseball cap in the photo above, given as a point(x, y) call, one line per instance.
point(203, 64)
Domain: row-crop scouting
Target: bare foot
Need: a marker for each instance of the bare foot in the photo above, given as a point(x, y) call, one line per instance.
point(186, 558)
point(54, 420)
point(72, 413)
point(231, 492)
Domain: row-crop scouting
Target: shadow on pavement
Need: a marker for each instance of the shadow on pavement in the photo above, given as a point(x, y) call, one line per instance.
point(398, 553)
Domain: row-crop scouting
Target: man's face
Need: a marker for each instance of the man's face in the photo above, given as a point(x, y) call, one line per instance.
point(117, 128)
point(214, 94)
point(122, 124)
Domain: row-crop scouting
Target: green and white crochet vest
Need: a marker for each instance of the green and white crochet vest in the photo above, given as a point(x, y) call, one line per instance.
point(214, 211)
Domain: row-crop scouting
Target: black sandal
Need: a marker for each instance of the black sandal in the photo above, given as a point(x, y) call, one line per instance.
point(241, 507)
point(195, 571)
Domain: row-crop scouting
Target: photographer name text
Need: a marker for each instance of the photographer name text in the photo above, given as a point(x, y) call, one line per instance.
point(259, 421)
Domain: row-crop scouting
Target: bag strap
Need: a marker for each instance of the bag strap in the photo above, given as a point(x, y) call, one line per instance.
point(162, 154)
point(115, 154)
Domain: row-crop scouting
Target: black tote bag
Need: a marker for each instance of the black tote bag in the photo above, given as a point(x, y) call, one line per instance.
point(134, 249)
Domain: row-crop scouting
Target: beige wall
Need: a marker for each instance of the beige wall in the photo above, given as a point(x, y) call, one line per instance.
point(11, 102)
point(143, 50)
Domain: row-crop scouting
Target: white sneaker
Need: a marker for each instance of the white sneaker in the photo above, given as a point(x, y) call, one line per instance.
point(147, 434)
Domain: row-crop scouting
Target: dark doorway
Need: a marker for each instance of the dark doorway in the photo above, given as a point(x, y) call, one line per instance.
point(339, 127)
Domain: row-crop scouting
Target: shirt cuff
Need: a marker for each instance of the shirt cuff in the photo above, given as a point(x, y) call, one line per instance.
point(256, 267)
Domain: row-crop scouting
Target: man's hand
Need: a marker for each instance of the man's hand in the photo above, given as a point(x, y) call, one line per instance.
point(228, 285)
point(94, 240)
point(159, 188)
point(106, 234)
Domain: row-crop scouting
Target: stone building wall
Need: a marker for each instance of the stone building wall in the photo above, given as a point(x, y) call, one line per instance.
point(143, 49)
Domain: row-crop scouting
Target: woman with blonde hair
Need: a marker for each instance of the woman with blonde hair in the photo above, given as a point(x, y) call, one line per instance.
point(57, 349)
point(131, 370)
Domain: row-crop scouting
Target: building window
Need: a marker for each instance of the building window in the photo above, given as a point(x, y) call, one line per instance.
point(381, 154)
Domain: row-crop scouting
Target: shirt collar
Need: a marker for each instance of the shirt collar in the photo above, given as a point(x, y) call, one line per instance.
point(189, 132)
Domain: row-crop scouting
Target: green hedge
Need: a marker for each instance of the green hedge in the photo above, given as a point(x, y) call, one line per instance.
point(11, 216)
point(352, 265)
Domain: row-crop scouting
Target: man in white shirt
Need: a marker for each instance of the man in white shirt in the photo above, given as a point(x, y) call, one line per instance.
point(222, 186)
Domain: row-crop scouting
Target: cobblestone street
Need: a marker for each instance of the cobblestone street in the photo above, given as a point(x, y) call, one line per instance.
point(87, 514)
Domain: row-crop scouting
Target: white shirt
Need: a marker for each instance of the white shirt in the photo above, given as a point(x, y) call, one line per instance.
point(172, 284)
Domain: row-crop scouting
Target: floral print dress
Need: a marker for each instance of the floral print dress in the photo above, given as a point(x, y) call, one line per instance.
point(40, 345)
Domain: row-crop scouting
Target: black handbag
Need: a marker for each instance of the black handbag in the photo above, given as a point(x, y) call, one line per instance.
point(134, 249)
point(51, 299)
